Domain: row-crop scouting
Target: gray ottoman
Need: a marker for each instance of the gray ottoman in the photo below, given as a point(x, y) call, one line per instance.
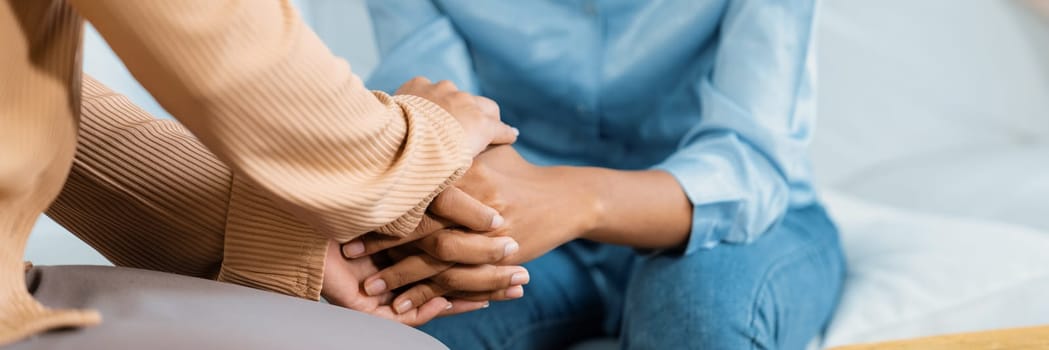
point(154, 310)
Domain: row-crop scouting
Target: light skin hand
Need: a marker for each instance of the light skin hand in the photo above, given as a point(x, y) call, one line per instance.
point(459, 245)
point(479, 118)
point(341, 287)
point(478, 115)
point(482, 282)
point(643, 209)
point(437, 247)
point(429, 258)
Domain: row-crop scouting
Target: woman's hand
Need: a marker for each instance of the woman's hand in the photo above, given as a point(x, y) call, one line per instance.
point(342, 280)
point(432, 256)
point(479, 116)
point(542, 208)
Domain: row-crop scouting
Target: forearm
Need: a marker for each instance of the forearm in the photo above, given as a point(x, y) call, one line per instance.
point(267, 97)
point(642, 209)
point(147, 194)
point(143, 191)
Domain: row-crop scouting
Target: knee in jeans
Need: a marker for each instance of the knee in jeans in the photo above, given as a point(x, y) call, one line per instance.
point(692, 302)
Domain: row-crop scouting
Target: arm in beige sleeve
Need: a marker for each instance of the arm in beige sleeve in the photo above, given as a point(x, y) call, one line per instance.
point(146, 194)
point(264, 94)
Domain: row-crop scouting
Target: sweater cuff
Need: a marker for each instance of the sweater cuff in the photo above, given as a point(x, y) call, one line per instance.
point(267, 248)
point(429, 115)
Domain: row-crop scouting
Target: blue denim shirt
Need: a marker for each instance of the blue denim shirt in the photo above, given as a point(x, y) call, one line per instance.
point(719, 93)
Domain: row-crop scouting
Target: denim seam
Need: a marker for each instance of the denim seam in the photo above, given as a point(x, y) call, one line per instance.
point(798, 254)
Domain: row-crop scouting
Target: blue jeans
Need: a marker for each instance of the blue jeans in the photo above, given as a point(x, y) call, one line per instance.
point(776, 293)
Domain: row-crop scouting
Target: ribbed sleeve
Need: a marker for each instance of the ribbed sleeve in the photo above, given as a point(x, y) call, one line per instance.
point(264, 94)
point(267, 248)
point(146, 194)
point(300, 151)
point(143, 191)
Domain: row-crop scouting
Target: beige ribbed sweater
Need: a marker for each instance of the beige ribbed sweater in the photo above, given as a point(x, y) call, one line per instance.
point(300, 151)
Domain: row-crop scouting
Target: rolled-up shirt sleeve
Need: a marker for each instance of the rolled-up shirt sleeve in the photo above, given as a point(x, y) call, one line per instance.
point(738, 163)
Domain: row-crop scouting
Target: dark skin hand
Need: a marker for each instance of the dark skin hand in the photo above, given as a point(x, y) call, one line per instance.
point(544, 207)
point(342, 287)
point(343, 278)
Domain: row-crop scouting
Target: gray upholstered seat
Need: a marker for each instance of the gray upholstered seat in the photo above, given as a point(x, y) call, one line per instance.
point(153, 310)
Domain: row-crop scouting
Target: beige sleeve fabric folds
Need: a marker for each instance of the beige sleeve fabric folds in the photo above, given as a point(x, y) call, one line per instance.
point(39, 92)
point(147, 194)
point(263, 93)
point(288, 150)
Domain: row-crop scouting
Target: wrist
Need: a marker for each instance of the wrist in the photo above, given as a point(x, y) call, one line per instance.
point(582, 186)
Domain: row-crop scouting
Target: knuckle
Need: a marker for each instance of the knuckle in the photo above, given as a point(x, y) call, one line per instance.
point(493, 105)
point(427, 225)
point(497, 295)
point(461, 97)
point(449, 280)
point(494, 253)
point(396, 278)
point(445, 247)
point(497, 201)
point(422, 294)
point(479, 171)
point(443, 199)
point(446, 85)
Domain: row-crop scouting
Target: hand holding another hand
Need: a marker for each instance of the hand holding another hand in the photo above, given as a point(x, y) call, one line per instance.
point(441, 260)
point(541, 208)
point(478, 115)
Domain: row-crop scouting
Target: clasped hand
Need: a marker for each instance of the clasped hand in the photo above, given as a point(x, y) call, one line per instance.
point(467, 249)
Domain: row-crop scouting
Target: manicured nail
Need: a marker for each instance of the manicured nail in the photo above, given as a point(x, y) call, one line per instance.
point(448, 307)
point(511, 247)
point(375, 287)
point(516, 132)
point(353, 249)
point(515, 292)
point(485, 306)
point(497, 221)
point(519, 278)
point(403, 306)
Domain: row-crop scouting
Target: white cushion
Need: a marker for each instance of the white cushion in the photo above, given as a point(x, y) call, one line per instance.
point(913, 274)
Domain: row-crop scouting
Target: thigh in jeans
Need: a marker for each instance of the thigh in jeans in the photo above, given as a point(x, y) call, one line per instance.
point(776, 293)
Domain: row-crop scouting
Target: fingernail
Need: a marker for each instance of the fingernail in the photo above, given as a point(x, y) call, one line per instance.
point(516, 132)
point(403, 306)
point(510, 248)
point(519, 278)
point(515, 292)
point(485, 306)
point(353, 249)
point(497, 221)
point(448, 307)
point(375, 287)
